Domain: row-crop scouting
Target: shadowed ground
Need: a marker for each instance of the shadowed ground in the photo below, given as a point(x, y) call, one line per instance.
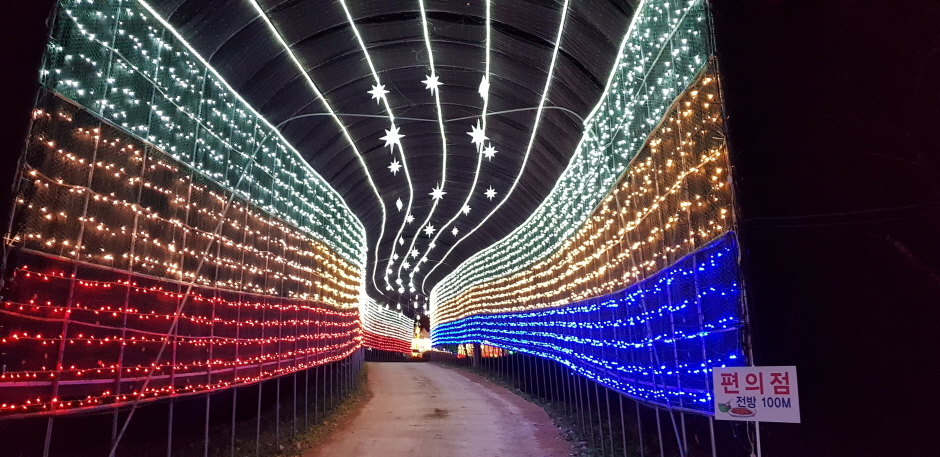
point(425, 409)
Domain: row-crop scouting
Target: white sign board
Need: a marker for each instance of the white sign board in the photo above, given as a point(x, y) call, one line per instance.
point(756, 394)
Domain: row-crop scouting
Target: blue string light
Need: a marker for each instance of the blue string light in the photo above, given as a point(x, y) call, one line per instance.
point(656, 341)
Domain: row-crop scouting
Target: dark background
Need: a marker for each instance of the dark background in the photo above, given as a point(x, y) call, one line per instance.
point(23, 32)
point(833, 111)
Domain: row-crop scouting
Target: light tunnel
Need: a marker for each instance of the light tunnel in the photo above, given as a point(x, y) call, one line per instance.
point(224, 209)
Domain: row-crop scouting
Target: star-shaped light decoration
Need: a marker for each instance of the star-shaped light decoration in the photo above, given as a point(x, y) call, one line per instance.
point(432, 83)
point(414, 253)
point(465, 210)
point(392, 137)
point(398, 204)
point(490, 193)
point(455, 231)
point(430, 246)
point(484, 88)
point(378, 92)
point(478, 136)
point(409, 219)
point(395, 166)
point(394, 257)
point(429, 230)
point(438, 193)
point(406, 265)
point(489, 152)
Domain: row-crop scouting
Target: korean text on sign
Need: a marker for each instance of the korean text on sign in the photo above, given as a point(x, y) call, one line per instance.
point(766, 394)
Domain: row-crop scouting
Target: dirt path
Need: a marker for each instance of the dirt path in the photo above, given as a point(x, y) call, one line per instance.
point(424, 409)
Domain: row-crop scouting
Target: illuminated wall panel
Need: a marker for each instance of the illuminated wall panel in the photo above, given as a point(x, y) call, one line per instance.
point(385, 329)
point(673, 199)
point(166, 240)
point(655, 341)
point(123, 63)
point(666, 48)
point(116, 323)
point(628, 272)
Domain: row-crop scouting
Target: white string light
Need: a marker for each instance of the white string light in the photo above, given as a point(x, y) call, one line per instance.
point(295, 155)
point(528, 150)
point(629, 110)
point(488, 151)
point(433, 84)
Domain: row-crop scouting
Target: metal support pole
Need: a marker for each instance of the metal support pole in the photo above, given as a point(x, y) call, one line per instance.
point(316, 394)
point(600, 418)
point(675, 429)
point(205, 432)
point(757, 432)
point(277, 414)
point(685, 441)
point(544, 377)
point(169, 429)
point(623, 426)
point(307, 399)
point(48, 441)
point(590, 412)
point(610, 424)
point(659, 431)
point(639, 428)
point(576, 383)
point(114, 421)
point(258, 424)
point(294, 430)
point(711, 430)
point(234, 414)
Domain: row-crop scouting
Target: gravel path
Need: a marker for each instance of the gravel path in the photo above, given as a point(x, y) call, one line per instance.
point(421, 409)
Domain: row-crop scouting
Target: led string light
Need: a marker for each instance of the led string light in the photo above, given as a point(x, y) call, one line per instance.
point(385, 329)
point(138, 64)
point(336, 118)
point(438, 192)
point(643, 84)
point(38, 404)
point(74, 375)
point(335, 280)
point(379, 319)
point(465, 207)
point(209, 124)
point(379, 89)
point(658, 340)
point(48, 311)
point(674, 198)
point(580, 169)
point(528, 150)
point(384, 343)
point(317, 335)
point(629, 340)
point(161, 291)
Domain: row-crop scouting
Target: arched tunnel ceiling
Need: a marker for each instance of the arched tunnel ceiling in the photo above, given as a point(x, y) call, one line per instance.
point(249, 51)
